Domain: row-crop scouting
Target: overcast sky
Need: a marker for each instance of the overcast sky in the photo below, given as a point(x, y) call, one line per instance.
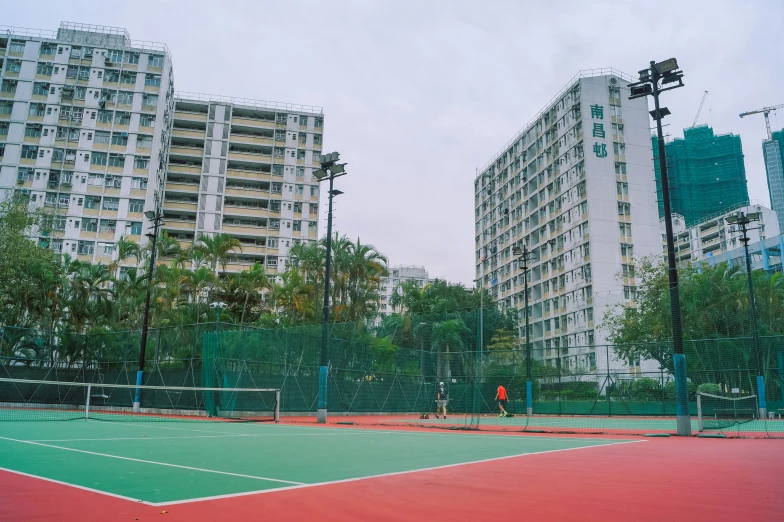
point(417, 95)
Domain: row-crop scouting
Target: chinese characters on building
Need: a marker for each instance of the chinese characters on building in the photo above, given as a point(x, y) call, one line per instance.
point(597, 113)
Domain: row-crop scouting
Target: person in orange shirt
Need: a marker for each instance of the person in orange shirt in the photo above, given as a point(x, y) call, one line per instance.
point(502, 399)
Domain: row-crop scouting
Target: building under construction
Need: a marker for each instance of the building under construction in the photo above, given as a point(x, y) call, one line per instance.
point(773, 151)
point(705, 171)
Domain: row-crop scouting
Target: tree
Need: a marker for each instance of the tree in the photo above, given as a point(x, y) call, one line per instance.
point(216, 248)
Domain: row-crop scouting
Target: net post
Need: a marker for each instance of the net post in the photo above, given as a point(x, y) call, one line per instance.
point(87, 402)
point(699, 412)
point(277, 405)
point(763, 406)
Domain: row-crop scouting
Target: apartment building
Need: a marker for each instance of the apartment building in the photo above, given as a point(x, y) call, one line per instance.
point(245, 168)
point(714, 236)
point(577, 187)
point(84, 118)
point(399, 274)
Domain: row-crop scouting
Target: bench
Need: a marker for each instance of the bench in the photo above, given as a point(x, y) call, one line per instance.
point(735, 412)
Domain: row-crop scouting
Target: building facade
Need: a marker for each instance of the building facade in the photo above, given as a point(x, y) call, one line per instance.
point(773, 151)
point(91, 128)
point(706, 174)
point(713, 236)
point(577, 187)
point(84, 119)
point(244, 168)
point(391, 285)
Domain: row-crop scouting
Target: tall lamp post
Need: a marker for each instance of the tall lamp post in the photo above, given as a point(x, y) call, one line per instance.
point(155, 217)
point(742, 220)
point(661, 77)
point(330, 169)
point(523, 257)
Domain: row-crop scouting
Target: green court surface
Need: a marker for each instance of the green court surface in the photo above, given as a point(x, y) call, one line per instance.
point(165, 462)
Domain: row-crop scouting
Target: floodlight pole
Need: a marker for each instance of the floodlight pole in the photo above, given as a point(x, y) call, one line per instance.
point(156, 222)
point(524, 255)
point(743, 221)
point(329, 170)
point(651, 77)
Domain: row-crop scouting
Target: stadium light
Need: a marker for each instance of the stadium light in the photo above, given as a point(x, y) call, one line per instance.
point(523, 257)
point(743, 220)
point(651, 83)
point(330, 169)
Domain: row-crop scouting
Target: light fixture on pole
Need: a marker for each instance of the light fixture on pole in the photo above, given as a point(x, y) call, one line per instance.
point(154, 217)
point(330, 169)
point(742, 221)
point(218, 307)
point(651, 83)
point(523, 257)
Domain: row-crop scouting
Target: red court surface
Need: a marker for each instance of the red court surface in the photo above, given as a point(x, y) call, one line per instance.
point(660, 479)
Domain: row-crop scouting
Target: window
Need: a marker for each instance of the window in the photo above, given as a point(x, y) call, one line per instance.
point(86, 248)
point(630, 292)
point(622, 188)
point(105, 116)
point(150, 100)
point(313, 209)
point(303, 120)
point(113, 182)
point(40, 89)
point(300, 154)
point(6, 107)
point(136, 205)
point(80, 93)
point(98, 158)
point(152, 80)
point(128, 78)
point(628, 270)
point(116, 160)
point(112, 75)
point(277, 188)
point(103, 138)
point(111, 203)
point(123, 118)
point(155, 60)
point(317, 139)
point(139, 183)
point(274, 224)
point(32, 131)
point(277, 170)
point(143, 142)
point(318, 122)
point(16, 46)
point(300, 172)
point(105, 249)
point(627, 250)
point(8, 86)
point(141, 162)
point(4, 129)
point(44, 69)
point(29, 152)
point(314, 190)
point(119, 139)
point(47, 49)
point(84, 73)
point(299, 190)
point(133, 228)
point(619, 148)
point(147, 120)
point(298, 207)
point(303, 138)
point(125, 97)
point(90, 225)
point(96, 180)
point(13, 66)
point(132, 58)
point(620, 167)
point(624, 209)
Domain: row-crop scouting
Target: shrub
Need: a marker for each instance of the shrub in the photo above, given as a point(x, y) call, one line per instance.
point(646, 389)
point(709, 387)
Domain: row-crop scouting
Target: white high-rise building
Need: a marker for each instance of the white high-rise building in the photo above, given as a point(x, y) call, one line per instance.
point(391, 285)
point(576, 186)
point(84, 119)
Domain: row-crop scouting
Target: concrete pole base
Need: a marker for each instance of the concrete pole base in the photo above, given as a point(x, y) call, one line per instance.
point(529, 411)
point(763, 413)
point(136, 406)
point(321, 416)
point(683, 423)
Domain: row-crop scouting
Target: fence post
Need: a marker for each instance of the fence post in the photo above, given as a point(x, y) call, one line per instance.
point(560, 368)
point(607, 381)
point(781, 374)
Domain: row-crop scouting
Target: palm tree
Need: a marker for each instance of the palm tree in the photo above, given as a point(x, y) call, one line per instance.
point(447, 337)
point(216, 248)
point(251, 282)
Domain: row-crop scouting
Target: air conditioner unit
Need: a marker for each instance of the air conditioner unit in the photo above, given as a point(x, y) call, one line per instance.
point(25, 191)
point(123, 134)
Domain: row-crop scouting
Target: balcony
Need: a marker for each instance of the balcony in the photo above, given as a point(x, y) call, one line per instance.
point(186, 151)
point(185, 133)
point(191, 188)
point(190, 116)
point(248, 174)
point(252, 122)
point(244, 229)
point(179, 205)
point(245, 211)
point(257, 157)
point(175, 224)
point(185, 169)
point(248, 138)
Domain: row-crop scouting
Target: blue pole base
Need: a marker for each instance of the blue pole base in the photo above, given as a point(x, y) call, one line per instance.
point(321, 416)
point(682, 417)
point(529, 399)
point(763, 405)
point(137, 395)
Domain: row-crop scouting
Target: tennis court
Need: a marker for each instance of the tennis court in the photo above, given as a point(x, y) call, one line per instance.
point(162, 463)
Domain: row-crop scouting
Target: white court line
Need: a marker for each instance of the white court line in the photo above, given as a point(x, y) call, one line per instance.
point(184, 437)
point(85, 488)
point(153, 462)
point(394, 473)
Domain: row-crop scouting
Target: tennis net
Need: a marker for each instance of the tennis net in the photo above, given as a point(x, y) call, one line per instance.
point(715, 412)
point(29, 400)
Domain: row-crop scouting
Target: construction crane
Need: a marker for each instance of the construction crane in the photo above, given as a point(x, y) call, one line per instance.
point(700, 109)
point(766, 111)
